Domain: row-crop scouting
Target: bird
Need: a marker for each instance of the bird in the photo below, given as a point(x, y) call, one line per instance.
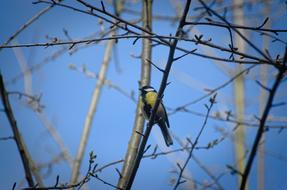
point(148, 96)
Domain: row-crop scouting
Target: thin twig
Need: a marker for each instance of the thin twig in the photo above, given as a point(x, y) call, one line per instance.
point(182, 168)
point(225, 119)
point(6, 138)
point(121, 23)
point(91, 173)
point(237, 31)
point(153, 38)
point(221, 24)
point(215, 89)
point(28, 23)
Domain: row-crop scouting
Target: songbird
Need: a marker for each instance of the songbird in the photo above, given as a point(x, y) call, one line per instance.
point(148, 98)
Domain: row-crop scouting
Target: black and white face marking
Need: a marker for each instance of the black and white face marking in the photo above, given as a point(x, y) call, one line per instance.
point(147, 89)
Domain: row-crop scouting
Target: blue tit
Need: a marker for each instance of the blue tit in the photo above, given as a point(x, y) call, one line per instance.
point(147, 100)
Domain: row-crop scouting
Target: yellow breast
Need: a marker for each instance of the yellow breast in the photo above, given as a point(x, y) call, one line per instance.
point(151, 98)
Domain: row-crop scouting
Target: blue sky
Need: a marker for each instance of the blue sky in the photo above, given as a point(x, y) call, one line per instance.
point(66, 95)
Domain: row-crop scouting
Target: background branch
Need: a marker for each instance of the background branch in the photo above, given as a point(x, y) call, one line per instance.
point(92, 108)
point(27, 24)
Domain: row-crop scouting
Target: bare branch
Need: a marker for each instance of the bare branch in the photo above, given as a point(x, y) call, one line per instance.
point(262, 126)
point(17, 136)
point(187, 53)
point(28, 23)
point(239, 33)
point(158, 68)
point(216, 89)
point(6, 138)
point(222, 24)
point(158, 38)
point(262, 86)
point(91, 173)
point(160, 93)
point(179, 179)
point(256, 60)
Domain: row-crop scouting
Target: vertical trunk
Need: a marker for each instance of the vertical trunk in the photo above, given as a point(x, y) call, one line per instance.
point(239, 96)
point(135, 139)
point(92, 109)
point(262, 100)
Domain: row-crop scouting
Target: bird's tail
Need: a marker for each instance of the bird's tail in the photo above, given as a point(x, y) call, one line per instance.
point(165, 132)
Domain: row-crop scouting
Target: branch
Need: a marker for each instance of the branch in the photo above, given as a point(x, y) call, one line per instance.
point(208, 9)
point(155, 154)
point(262, 126)
point(215, 89)
point(256, 60)
point(17, 136)
point(227, 119)
point(223, 25)
point(28, 23)
point(121, 23)
point(56, 54)
point(134, 142)
point(33, 100)
point(92, 109)
point(71, 42)
point(91, 173)
point(6, 138)
point(158, 68)
point(172, 49)
point(182, 168)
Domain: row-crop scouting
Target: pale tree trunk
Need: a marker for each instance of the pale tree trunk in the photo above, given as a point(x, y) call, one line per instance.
point(94, 103)
point(91, 111)
point(135, 138)
point(239, 96)
point(262, 101)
